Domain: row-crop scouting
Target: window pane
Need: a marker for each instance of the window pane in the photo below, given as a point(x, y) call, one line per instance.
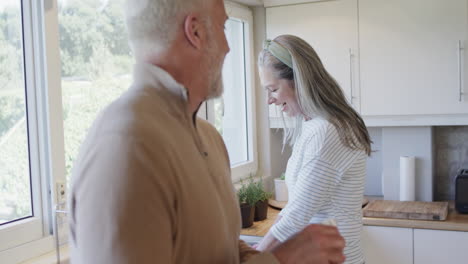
point(96, 64)
point(231, 120)
point(15, 184)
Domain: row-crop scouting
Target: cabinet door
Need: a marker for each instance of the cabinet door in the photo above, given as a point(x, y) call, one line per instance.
point(436, 246)
point(330, 27)
point(410, 57)
point(387, 245)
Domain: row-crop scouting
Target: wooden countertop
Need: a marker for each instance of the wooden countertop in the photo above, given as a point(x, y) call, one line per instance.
point(260, 228)
point(454, 222)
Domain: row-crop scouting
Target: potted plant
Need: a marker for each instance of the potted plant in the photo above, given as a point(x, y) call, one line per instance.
point(281, 191)
point(261, 204)
point(247, 199)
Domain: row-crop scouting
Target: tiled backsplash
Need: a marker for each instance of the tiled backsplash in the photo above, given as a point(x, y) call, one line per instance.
point(451, 154)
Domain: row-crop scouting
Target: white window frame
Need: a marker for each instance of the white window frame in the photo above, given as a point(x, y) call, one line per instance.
point(28, 238)
point(243, 170)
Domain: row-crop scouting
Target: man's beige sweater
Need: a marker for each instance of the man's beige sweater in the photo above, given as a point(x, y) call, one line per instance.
point(150, 186)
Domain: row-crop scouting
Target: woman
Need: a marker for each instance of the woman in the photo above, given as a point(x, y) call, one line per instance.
point(326, 171)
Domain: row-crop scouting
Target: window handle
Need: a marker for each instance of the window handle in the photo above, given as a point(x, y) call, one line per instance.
point(460, 79)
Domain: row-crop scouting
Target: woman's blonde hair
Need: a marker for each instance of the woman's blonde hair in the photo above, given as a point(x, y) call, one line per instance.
point(317, 92)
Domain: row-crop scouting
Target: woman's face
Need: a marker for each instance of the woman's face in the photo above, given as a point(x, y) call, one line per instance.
point(281, 92)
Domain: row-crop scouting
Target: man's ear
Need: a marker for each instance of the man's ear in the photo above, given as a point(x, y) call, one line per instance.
point(193, 30)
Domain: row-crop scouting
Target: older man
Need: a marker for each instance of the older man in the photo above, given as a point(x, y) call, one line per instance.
point(152, 182)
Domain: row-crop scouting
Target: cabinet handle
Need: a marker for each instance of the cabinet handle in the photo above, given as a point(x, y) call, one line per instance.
point(460, 87)
point(351, 84)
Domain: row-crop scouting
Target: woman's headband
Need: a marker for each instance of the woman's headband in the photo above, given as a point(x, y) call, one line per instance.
point(280, 52)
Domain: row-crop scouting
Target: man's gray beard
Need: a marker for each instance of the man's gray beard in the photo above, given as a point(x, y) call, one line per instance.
point(217, 88)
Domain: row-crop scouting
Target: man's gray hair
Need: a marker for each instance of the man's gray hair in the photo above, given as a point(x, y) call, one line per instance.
point(153, 24)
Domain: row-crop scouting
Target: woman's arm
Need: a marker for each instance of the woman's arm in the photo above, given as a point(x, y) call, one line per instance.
point(269, 241)
point(315, 184)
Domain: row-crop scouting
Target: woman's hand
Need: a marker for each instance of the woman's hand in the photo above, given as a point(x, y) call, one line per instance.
point(315, 244)
point(268, 242)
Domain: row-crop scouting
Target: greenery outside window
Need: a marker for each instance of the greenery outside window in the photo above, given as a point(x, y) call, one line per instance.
point(96, 65)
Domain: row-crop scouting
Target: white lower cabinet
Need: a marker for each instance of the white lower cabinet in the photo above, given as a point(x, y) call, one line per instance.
point(392, 245)
point(436, 247)
point(388, 245)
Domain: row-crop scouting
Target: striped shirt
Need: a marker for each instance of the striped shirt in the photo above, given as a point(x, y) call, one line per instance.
point(325, 180)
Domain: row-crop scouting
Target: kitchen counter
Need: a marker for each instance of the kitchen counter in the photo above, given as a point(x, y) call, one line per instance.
point(260, 228)
point(454, 222)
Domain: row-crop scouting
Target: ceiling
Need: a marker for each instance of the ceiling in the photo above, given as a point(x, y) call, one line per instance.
point(250, 2)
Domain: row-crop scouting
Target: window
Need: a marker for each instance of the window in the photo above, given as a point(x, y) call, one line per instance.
point(23, 195)
point(61, 62)
point(15, 184)
point(233, 113)
point(96, 65)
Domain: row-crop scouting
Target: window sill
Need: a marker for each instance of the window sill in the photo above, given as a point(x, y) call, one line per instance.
point(246, 180)
point(51, 257)
point(27, 251)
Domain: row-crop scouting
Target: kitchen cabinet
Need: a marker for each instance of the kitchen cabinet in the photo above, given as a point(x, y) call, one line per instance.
point(387, 245)
point(413, 56)
point(331, 28)
point(400, 63)
point(436, 246)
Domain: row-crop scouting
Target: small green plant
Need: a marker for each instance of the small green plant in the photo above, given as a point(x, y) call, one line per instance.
point(260, 193)
point(252, 191)
point(246, 194)
point(283, 176)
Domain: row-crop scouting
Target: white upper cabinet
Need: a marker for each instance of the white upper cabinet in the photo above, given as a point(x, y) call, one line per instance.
point(412, 57)
point(331, 28)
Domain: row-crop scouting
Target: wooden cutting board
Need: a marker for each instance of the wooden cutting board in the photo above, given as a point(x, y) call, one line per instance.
point(280, 205)
point(276, 204)
point(407, 210)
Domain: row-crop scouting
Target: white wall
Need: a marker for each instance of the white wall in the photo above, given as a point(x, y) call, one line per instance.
point(250, 2)
point(383, 167)
point(271, 159)
point(407, 141)
point(374, 164)
point(263, 131)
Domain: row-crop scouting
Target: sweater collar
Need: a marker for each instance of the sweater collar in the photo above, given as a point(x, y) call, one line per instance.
point(148, 74)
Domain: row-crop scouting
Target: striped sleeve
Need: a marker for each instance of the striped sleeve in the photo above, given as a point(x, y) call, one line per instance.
point(315, 181)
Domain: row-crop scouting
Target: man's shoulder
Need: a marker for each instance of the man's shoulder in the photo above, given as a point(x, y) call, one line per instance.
point(207, 129)
point(133, 116)
point(204, 125)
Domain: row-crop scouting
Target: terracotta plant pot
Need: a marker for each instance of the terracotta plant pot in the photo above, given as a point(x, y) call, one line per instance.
point(261, 210)
point(247, 213)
